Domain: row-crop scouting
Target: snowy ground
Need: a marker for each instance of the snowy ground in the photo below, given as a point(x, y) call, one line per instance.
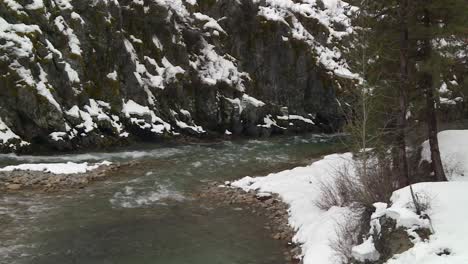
point(448, 214)
point(315, 228)
point(453, 145)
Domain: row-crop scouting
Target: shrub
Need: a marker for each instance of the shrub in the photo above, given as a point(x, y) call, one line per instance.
point(359, 185)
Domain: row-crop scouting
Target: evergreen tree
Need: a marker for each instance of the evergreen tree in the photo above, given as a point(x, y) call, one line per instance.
point(435, 26)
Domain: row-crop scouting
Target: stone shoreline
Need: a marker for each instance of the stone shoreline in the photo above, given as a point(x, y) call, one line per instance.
point(20, 180)
point(268, 205)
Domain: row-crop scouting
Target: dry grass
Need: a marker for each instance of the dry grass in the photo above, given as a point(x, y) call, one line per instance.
point(359, 188)
point(347, 235)
point(423, 201)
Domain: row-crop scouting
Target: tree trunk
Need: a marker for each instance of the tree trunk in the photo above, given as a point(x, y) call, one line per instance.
point(428, 88)
point(436, 164)
point(403, 172)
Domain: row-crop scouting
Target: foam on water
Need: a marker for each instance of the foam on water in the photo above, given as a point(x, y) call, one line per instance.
point(93, 156)
point(134, 197)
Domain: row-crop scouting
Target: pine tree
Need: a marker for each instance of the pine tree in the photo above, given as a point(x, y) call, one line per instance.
point(386, 75)
point(435, 22)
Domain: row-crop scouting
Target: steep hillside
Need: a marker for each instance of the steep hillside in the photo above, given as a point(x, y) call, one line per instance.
point(80, 73)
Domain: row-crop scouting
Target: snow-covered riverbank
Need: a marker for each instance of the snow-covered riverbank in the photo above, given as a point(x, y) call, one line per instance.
point(315, 228)
point(299, 189)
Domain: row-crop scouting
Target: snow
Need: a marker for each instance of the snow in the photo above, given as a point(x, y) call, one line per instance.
point(71, 73)
point(13, 5)
point(77, 17)
point(73, 41)
point(161, 76)
point(136, 40)
point(443, 88)
point(252, 101)
point(298, 188)
point(315, 227)
point(57, 136)
point(448, 215)
point(5, 132)
point(57, 168)
point(296, 117)
point(366, 251)
point(269, 122)
point(169, 71)
point(96, 110)
point(131, 107)
point(157, 43)
point(453, 146)
point(335, 12)
point(174, 6)
point(6, 135)
point(245, 101)
point(213, 68)
point(36, 4)
point(43, 89)
point(195, 128)
point(447, 101)
point(210, 23)
point(14, 39)
point(112, 75)
point(157, 125)
point(64, 4)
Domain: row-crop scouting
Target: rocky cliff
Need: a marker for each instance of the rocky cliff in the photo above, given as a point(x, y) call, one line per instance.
point(90, 73)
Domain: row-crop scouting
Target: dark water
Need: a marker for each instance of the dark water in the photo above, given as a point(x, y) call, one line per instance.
point(147, 214)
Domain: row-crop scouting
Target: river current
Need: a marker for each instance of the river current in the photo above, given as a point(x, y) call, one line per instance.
point(147, 214)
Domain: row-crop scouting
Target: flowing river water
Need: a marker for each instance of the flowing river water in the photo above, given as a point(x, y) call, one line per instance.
point(146, 213)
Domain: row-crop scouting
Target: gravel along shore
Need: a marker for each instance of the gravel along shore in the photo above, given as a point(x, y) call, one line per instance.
point(19, 180)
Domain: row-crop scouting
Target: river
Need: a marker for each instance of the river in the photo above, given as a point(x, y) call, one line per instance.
point(147, 213)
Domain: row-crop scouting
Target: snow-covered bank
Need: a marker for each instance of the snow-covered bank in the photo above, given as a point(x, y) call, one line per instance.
point(448, 214)
point(299, 189)
point(315, 228)
point(57, 168)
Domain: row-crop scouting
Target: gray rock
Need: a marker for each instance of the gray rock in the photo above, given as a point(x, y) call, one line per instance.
point(13, 186)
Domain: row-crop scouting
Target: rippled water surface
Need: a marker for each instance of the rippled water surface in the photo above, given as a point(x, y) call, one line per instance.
point(147, 213)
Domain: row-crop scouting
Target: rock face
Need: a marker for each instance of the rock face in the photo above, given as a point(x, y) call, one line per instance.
point(81, 73)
